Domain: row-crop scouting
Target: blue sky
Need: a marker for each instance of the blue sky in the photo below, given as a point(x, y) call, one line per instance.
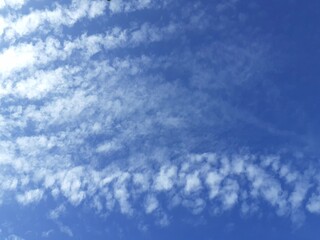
point(147, 119)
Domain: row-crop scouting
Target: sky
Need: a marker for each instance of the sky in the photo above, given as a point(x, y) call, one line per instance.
point(159, 119)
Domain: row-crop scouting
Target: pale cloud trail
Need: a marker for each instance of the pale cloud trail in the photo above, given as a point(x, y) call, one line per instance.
point(15, 26)
point(15, 4)
point(198, 182)
point(82, 122)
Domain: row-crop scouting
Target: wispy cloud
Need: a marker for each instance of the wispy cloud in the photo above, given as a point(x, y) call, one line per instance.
point(126, 116)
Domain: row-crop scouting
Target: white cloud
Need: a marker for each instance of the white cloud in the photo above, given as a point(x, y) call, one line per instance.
point(108, 147)
point(31, 196)
point(166, 178)
point(96, 8)
point(213, 180)
point(196, 206)
point(60, 16)
point(17, 58)
point(122, 195)
point(40, 84)
point(193, 183)
point(15, 4)
point(313, 204)
point(13, 237)
point(298, 195)
point(65, 229)
point(230, 193)
point(57, 212)
point(125, 6)
point(46, 234)
point(71, 185)
point(163, 220)
point(151, 204)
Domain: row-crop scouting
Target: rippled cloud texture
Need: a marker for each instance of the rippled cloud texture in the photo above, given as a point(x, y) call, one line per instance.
point(134, 110)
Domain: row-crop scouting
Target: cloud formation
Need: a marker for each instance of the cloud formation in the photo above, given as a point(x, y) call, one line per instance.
point(124, 116)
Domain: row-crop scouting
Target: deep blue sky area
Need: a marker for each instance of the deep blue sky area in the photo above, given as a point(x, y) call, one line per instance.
point(147, 119)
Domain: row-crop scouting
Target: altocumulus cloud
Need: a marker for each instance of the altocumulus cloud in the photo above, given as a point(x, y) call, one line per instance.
point(128, 115)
